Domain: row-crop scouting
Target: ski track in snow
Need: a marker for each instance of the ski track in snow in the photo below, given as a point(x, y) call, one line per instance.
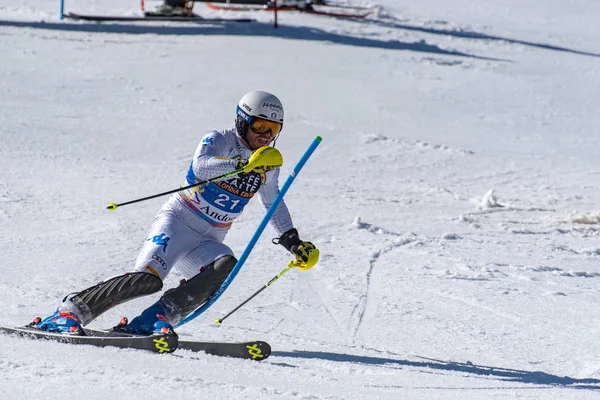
point(360, 309)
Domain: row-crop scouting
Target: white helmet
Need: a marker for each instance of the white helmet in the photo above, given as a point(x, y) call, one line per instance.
point(257, 104)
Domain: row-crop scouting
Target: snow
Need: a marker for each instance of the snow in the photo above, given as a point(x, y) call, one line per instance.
point(455, 197)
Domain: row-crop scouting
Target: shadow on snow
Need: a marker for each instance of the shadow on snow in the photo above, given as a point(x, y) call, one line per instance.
point(505, 374)
point(466, 34)
point(226, 28)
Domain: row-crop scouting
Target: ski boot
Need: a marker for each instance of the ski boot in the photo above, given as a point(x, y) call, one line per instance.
point(151, 321)
point(59, 322)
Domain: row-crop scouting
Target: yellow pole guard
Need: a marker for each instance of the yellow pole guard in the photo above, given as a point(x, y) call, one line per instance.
point(313, 259)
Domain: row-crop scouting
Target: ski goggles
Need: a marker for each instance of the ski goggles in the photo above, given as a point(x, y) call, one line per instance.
point(262, 126)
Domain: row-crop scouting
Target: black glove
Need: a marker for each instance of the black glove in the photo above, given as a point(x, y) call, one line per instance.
point(288, 239)
point(306, 253)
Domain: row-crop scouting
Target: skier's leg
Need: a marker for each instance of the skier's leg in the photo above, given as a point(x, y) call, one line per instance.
point(196, 261)
point(195, 291)
point(167, 241)
point(177, 303)
point(86, 305)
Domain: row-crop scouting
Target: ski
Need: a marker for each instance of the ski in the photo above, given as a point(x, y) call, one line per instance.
point(151, 17)
point(353, 12)
point(255, 350)
point(252, 350)
point(159, 343)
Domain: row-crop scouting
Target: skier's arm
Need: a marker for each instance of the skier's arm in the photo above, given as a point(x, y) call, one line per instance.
point(210, 159)
point(307, 255)
point(281, 219)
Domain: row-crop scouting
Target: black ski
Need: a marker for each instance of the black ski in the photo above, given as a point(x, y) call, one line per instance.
point(159, 343)
point(256, 350)
point(151, 17)
point(252, 350)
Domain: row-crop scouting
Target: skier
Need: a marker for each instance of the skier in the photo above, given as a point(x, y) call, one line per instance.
point(189, 230)
point(180, 8)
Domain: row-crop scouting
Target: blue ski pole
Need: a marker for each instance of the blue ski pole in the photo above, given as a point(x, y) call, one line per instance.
point(212, 299)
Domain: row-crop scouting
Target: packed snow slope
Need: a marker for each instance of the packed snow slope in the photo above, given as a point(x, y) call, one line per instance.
point(455, 197)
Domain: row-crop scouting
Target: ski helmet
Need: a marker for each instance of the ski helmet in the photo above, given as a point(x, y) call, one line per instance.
point(257, 104)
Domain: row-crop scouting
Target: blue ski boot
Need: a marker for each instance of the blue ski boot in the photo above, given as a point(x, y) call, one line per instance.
point(151, 320)
point(60, 322)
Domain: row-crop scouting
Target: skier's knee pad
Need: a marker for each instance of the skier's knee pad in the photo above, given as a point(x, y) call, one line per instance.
point(95, 300)
point(191, 294)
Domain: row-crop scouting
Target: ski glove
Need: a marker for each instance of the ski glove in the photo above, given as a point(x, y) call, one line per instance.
point(307, 255)
point(262, 160)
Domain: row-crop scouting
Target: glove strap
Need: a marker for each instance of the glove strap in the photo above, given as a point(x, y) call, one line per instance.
point(288, 239)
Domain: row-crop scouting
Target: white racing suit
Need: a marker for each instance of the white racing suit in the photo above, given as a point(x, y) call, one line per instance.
point(189, 230)
point(187, 234)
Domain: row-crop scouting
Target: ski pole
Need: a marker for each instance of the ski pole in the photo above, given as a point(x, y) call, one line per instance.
point(211, 300)
point(113, 206)
point(290, 265)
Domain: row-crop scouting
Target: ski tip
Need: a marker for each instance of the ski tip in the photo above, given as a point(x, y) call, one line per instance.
point(218, 321)
point(319, 138)
point(258, 351)
point(112, 206)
